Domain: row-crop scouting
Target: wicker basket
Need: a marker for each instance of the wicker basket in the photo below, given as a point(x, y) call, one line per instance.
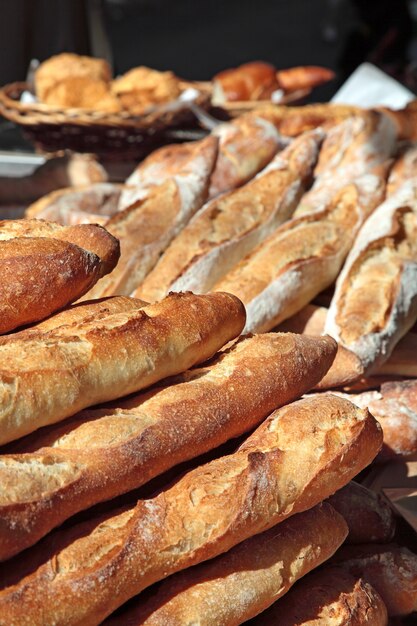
point(111, 135)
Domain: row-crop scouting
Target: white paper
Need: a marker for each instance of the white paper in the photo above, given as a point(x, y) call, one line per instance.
point(368, 86)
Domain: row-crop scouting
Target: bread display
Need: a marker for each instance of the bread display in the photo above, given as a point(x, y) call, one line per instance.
point(301, 258)
point(329, 595)
point(94, 568)
point(243, 582)
point(101, 453)
point(375, 301)
point(131, 350)
point(91, 204)
point(246, 146)
point(228, 227)
point(368, 515)
point(45, 266)
point(146, 228)
point(390, 569)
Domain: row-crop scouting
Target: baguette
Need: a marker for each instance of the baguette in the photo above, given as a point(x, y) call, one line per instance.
point(102, 453)
point(327, 596)
point(375, 301)
point(390, 569)
point(147, 227)
point(404, 168)
point(246, 146)
point(394, 405)
point(87, 204)
point(184, 163)
point(300, 259)
point(300, 455)
point(44, 267)
point(227, 228)
point(368, 516)
point(253, 575)
point(90, 363)
point(351, 149)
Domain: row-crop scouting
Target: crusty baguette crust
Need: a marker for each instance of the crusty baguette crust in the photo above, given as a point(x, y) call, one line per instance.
point(369, 518)
point(246, 146)
point(174, 162)
point(205, 513)
point(390, 569)
point(147, 227)
point(327, 597)
point(241, 583)
point(86, 204)
point(300, 259)
point(375, 301)
point(227, 228)
point(102, 453)
point(394, 405)
point(91, 363)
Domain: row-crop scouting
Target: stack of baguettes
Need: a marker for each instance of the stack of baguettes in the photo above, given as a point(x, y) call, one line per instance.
point(219, 542)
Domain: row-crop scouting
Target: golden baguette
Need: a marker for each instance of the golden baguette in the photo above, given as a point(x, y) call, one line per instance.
point(246, 146)
point(45, 266)
point(227, 228)
point(358, 146)
point(329, 596)
point(101, 453)
point(390, 569)
point(375, 301)
point(241, 583)
point(368, 516)
point(86, 204)
point(301, 258)
point(48, 376)
point(300, 455)
point(146, 227)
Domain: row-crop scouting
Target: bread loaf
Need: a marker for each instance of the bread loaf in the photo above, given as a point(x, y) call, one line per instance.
point(300, 259)
point(394, 405)
point(48, 376)
point(227, 228)
point(299, 456)
point(303, 77)
point(246, 146)
point(351, 149)
point(89, 204)
point(251, 81)
point(101, 453)
point(243, 582)
point(184, 163)
point(404, 168)
point(44, 267)
point(146, 228)
point(375, 302)
point(390, 569)
point(327, 596)
point(368, 516)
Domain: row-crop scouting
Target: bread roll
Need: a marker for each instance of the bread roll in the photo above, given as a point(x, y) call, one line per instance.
point(303, 77)
point(246, 146)
point(44, 267)
point(375, 302)
point(90, 204)
point(147, 227)
point(227, 228)
point(243, 582)
point(82, 92)
point(351, 149)
point(368, 516)
point(394, 405)
point(300, 259)
point(101, 453)
point(390, 569)
point(300, 455)
point(184, 163)
point(251, 81)
point(48, 376)
point(327, 596)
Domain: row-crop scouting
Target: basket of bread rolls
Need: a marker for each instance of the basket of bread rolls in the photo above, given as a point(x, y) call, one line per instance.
point(198, 371)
